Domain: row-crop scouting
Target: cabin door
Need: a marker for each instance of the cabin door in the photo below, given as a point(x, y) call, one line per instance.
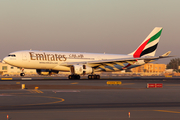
point(24, 57)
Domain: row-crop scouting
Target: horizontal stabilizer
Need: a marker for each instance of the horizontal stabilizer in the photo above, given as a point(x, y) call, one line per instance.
point(166, 54)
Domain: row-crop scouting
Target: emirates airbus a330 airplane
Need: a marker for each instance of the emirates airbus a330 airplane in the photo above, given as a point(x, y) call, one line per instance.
point(51, 62)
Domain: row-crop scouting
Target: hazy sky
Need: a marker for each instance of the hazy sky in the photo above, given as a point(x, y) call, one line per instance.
point(111, 26)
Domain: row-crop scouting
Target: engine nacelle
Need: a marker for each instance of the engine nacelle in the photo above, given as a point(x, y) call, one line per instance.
point(81, 69)
point(46, 72)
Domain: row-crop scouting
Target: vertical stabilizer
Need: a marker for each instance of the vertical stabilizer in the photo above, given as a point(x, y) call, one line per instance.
point(149, 45)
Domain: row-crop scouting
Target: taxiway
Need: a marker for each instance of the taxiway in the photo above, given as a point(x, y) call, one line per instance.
point(91, 99)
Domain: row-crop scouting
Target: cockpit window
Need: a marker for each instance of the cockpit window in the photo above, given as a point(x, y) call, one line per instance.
point(11, 55)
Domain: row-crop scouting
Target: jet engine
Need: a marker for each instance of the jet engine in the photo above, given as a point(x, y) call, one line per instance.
point(46, 72)
point(81, 69)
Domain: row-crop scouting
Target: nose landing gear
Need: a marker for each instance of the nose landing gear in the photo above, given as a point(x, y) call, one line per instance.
point(22, 74)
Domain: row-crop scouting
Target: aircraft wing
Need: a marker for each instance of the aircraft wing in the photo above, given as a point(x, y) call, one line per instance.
point(121, 61)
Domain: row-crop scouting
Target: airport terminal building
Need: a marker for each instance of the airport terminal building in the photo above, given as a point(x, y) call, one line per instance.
point(7, 70)
point(150, 68)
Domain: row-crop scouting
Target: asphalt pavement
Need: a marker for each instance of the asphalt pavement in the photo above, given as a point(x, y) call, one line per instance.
point(108, 102)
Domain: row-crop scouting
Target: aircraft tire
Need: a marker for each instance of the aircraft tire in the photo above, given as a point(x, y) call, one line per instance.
point(77, 76)
point(97, 76)
point(70, 77)
point(93, 76)
point(74, 77)
point(89, 76)
point(22, 74)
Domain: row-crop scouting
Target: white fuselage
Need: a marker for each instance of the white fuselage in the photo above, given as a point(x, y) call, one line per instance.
point(55, 60)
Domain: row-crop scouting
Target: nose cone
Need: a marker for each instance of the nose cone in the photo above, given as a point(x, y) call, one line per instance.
point(5, 60)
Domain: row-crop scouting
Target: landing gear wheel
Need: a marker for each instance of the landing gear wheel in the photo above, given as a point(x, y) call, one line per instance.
point(22, 74)
point(70, 77)
point(77, 76)
point(97, 76)
point(74, 77)
point(93, 76)
point(89, 76)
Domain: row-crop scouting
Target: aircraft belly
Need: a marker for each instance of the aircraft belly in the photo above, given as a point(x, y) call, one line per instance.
point(61, 68)
point(39, 64)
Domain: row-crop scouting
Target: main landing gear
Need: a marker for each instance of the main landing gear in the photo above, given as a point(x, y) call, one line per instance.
point(93, 76)
point(78, 77)
point(74, 77)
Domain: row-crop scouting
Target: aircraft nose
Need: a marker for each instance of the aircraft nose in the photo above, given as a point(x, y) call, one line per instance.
point(5, 60)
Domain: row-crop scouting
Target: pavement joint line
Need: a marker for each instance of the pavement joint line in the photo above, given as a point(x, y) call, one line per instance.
point(73, 111)
point(78, 111)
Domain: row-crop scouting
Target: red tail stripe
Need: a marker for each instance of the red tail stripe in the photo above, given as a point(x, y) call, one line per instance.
point(140, 49)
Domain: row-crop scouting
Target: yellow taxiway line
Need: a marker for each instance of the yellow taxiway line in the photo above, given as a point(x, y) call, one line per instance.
point(35, 91)
point(167, 111)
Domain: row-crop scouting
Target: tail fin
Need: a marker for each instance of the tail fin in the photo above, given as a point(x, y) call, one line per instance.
point(149, 45)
